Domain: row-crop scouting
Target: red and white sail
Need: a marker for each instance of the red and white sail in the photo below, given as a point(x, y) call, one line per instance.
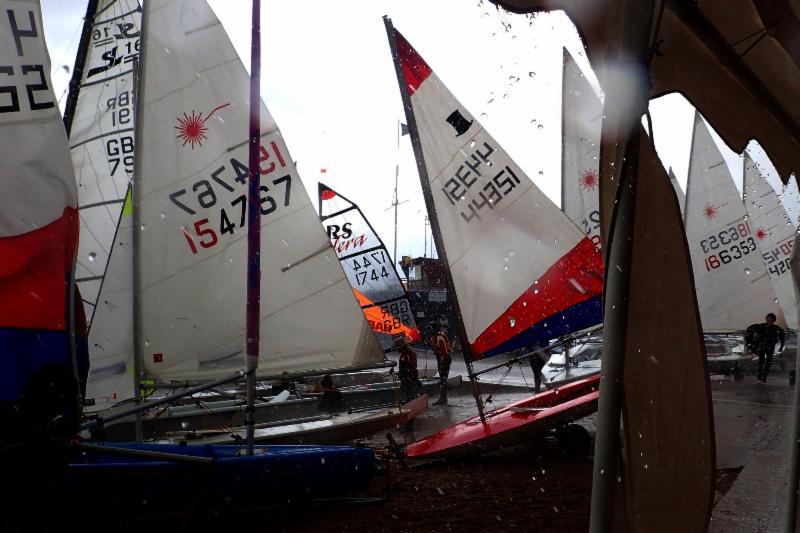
point(732, 282)
point(102, 149)
point(774, 234)
point(39, 218)
point(522, 271)
point(582, 119)
point(368, 266)
point(193, 205)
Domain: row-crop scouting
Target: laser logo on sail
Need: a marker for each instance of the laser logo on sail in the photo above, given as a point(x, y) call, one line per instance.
point(710, 211)
point(192, 128)
point(588, 180)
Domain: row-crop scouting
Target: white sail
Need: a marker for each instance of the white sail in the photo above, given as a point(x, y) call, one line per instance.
point(732, 282)
point(582, 119)
point(774, 235)
point(522, 271)
point(101, 145)
point(193, 213)
point(678, 191)
point(368, 266)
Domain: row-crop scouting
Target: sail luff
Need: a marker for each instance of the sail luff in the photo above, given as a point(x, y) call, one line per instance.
point(77, 67)
point(411, 121)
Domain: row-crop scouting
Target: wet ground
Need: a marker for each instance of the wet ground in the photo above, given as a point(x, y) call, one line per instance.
point(533, 486)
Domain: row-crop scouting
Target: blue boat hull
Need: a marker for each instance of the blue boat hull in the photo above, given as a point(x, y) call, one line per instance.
point(274, 474)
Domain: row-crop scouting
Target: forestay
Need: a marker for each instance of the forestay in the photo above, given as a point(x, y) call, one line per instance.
point(193, 205)
point(368, 266)
point(101, 145)
point(522, 271)
point(582, 119)
point(774, 235)
point(732, 282)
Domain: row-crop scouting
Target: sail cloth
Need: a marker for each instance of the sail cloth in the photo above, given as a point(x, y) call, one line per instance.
point(101, 146)
point(368, 266)
point(193, 178)
point(733, 287)
point(774, 234)
point(102, 137)
point(581, 122)
point(670, 453)
point(523, 272)
point(678, 191)
point(38, 219)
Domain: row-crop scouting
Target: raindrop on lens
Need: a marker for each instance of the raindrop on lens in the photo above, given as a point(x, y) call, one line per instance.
point(92, 256)
point(747, 270)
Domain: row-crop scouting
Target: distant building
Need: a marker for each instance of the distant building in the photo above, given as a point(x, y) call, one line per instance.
point(427, 292)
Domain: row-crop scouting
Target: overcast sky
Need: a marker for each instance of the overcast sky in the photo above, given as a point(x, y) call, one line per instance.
point(329, 82)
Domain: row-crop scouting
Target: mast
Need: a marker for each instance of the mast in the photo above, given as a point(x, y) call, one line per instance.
point(466, 347)
point(77, 68)
point(563, 100)
point(69, 114)
point(139, 73)
point(252, 333)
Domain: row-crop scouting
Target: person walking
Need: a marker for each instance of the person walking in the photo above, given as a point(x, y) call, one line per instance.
point(443, 349)
point(767, 335)
point(410, 385)
point(537, 362)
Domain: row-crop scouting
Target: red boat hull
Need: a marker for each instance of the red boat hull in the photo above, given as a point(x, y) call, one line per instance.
point(512, 423)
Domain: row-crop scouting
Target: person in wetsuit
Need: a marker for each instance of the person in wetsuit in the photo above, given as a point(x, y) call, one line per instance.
point(767, 336)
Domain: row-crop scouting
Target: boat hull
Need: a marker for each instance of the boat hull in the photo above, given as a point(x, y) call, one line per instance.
point(273, 472)
point(512, 424)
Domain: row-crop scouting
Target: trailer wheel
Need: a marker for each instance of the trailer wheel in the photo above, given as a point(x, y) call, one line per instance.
point(574, 440)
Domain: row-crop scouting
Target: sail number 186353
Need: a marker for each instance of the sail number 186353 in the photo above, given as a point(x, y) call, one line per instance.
point(727, 245)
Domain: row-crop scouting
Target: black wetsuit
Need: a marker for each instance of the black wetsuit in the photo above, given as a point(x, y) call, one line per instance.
point(768, 335)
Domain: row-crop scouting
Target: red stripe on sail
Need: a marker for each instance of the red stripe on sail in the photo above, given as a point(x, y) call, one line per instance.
point(415, 70)
point(34, 269)
point(575, 278)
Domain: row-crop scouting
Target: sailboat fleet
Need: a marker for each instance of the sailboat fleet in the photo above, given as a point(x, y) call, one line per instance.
point(156, 122)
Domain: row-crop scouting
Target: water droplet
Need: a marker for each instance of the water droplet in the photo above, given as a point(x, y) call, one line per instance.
point(531, 74)
point(512, 321)
point(92, 256)
point(540, 126)
point(746, 270)
point(163, 215)
point(541, 172)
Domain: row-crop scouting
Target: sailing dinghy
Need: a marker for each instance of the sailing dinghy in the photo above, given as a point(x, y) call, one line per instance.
point(183, 280)
point(520, 271)
point(89, 468)
point(731, 279)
